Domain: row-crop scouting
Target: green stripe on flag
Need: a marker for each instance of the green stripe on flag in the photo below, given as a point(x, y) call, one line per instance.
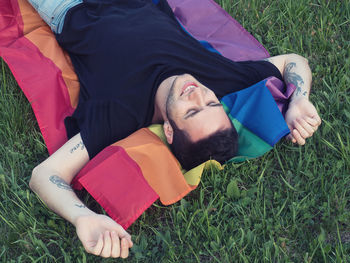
point(249, 144)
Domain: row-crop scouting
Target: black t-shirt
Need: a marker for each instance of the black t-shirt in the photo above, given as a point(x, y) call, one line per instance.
point(122, 50)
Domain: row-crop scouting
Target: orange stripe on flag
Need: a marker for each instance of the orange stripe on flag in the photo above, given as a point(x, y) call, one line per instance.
point(37, 32)
point(159, 167)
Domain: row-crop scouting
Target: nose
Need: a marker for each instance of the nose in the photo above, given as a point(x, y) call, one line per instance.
point(197, 95)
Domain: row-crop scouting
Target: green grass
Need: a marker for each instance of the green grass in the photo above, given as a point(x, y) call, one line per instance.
point(292, 205)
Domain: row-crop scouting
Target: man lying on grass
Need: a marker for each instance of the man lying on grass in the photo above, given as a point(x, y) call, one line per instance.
point(137, 66)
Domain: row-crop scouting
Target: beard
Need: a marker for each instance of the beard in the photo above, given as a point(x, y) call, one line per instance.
point(170, 101)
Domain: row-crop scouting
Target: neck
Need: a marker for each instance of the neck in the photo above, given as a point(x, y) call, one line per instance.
point(160, 100)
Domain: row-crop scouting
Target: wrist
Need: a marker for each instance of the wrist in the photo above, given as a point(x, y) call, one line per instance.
point(81, 214)
point(295, 98)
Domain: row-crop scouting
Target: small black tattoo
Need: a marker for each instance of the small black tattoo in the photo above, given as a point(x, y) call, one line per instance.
point(79, 145)
point(80, 205)
point(294, 78)
point(60, 182)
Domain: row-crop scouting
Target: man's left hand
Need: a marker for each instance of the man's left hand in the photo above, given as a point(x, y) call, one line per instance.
point(302, 119)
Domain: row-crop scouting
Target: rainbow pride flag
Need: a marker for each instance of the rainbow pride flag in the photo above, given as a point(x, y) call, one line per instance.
point(128, 176)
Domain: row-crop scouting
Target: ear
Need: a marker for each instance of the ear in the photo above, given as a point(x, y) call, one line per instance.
point(168, 131)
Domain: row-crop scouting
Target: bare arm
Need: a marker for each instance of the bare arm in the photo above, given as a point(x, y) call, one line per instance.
point(51, 180)
point(295, 70)
point(301, 117)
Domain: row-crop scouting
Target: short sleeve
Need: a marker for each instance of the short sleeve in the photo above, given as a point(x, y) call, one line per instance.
point(261, 69)
point(242, 75)
point(101, 123)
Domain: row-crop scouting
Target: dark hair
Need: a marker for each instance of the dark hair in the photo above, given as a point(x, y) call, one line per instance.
point(220, 146)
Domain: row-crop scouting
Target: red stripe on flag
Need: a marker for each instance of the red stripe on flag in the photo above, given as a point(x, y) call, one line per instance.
point(44, 88)
point(116, 182)
point(38, 77)
point(11, 24)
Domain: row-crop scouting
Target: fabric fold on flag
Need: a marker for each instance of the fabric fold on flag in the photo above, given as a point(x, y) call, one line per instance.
point(144, 154)
point(126, 178)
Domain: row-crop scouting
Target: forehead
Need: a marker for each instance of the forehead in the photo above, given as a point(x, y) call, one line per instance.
point(205, 123)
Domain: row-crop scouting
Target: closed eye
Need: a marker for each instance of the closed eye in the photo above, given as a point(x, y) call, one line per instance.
point(193, 111)
point(214, 104)
point(190, 113)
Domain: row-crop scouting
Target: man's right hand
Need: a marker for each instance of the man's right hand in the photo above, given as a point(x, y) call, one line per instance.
point(102, 236)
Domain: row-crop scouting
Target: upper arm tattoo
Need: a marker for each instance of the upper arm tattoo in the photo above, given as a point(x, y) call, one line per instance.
point(77, 146)
point(294, 78)
point(60, 182)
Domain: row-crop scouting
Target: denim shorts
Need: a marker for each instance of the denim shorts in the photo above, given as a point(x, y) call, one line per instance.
point(53, 12)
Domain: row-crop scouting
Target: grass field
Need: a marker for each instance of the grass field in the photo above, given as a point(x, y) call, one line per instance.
point(293, 203)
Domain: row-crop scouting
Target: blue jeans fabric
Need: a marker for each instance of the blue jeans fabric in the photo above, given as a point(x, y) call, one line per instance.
point(53, 12)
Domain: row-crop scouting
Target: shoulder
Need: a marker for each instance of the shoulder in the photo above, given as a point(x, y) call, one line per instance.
point(281, 61)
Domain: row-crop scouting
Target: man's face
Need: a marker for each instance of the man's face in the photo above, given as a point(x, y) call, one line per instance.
point(195, 108)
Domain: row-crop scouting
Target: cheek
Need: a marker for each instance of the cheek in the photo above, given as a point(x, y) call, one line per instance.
point(177, 110)
point(171, 108)
point(213, 96)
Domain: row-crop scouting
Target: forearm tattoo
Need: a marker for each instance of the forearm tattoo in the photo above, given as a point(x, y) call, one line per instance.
point(80, 205)
point(294, 78)
point(76, 147)
point(60, 182)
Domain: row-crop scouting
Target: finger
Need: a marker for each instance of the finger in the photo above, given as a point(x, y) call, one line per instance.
point(306, 126)
point(128, 238)
point(115, 245)
point(315, 121)
point(99, 245)
point(300, 140)
point(318, 119)
point(291, 138)
point(123, 234)
point(301, 129)
point(311, 121)
point(124, 248)
point(107, 245)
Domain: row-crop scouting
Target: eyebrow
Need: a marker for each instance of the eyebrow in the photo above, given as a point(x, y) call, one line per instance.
point(194, 113)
